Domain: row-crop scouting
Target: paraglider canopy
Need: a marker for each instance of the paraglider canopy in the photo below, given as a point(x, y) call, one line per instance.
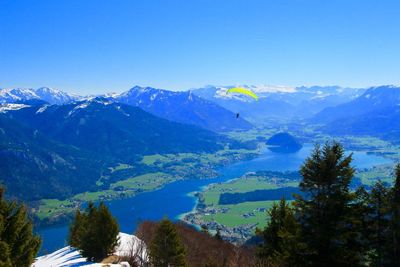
point(242, 90)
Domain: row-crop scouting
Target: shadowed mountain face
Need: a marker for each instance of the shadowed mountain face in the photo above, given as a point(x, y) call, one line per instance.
point(50, 151)
point(184, 107)
point(103, 126)
point(374, 113)
point(383, 123)
point(32, 166)
point(374, 99)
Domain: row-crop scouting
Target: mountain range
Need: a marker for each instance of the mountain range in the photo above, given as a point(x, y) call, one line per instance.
point(211, 107)
point(183, 107)
point(279, 102)
point(53, 144)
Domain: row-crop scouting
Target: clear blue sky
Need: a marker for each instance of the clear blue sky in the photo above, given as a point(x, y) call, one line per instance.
point(94, 46)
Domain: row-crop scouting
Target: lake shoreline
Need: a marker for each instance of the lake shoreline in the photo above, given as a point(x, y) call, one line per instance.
point(176, 200)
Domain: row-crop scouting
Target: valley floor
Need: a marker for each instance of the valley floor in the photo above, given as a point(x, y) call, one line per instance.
point(165, 169)
point(238, 220)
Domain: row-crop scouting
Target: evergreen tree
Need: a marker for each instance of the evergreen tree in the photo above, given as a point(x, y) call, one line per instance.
point(18, 245)
point(324, 213)
point(166, 249)
point(379, 224)
point(77, 227)
point(360, 220)
point(95, 232)
point(109, 229)
point(394, 226)
point(87, 242)
point(5, 257)
point(281, 237)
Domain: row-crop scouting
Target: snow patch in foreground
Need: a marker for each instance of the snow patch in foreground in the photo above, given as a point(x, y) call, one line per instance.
point(70, 257)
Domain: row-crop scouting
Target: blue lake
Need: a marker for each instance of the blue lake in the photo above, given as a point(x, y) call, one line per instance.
point(174, 199)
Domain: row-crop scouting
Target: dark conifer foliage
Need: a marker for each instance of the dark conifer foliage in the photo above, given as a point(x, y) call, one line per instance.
point(18, 245)
point(281, 244)
point(394, 225)
point(94, 232)
point(378, 224)
point(76, 229)
point(5, 257)
point(166, 248)
point(325, 211)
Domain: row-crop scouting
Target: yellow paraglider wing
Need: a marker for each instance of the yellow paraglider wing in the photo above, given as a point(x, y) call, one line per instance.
point(242, 90)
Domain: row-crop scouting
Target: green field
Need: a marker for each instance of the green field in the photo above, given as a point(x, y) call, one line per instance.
point(244, 184)
point(255, 213)
point(248, 215)
point(192, 159)
point(371, 176)
point(253, 134)
point(120, 167)
point(145, 182)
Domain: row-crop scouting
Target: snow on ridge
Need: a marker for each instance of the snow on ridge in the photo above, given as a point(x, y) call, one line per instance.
point(69, 256)
point(53, 96)
point(42, 109)
point(17, 94)
point(80, 106)
point(111, 95)
point(260, 90)
point(153, 96)
point(271, 88)
point(6, 107)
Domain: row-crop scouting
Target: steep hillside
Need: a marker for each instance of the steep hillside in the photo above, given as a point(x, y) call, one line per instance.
point(383, 123)
point(374, 113)
point(374, 99)
point(33, 167)
point(50, 151)
point(103, 126)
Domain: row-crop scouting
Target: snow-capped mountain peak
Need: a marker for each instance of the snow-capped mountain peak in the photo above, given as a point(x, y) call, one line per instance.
point(11, 95)
point(50, 95)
